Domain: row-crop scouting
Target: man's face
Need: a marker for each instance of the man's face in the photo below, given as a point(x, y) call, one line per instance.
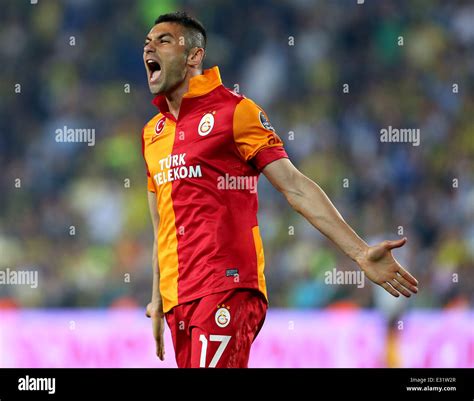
point(164, 55)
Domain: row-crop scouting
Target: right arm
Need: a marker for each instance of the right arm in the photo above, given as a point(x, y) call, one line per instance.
point(154, 309)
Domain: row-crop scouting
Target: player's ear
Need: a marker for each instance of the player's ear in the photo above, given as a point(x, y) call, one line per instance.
point(196, 56)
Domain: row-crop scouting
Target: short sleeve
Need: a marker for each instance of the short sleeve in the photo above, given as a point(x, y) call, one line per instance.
point(150, 185)
point(254, 136)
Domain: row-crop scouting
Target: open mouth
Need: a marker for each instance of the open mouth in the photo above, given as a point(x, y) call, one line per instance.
point(154, 70)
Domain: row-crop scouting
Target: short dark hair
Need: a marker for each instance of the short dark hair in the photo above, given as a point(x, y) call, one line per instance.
point(196, 35)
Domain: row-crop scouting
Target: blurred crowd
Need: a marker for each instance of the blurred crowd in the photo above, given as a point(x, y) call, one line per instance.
point(330, 75)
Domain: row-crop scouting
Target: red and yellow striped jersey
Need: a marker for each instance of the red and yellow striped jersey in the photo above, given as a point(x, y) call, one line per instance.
point(203, 167)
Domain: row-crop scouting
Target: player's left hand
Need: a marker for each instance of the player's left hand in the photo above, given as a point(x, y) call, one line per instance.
point(155, 312)
point(380, 266)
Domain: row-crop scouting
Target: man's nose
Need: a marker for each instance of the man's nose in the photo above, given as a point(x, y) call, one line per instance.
point(149, 48)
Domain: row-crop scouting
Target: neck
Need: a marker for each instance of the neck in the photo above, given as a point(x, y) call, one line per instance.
point(175, 97)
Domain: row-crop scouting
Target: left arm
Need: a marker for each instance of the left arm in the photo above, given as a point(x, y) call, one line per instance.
point(308, 199)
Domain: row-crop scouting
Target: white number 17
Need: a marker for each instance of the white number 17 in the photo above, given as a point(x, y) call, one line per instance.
point(224, 340)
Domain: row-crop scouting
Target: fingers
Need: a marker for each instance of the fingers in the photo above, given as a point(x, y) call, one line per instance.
point(395, 244)
point(407, 276)
point(160, 346)
point(399, 285)
point(407, 284)
point(160, 349)
point(387, 287)
point(158, 333)
point(400, 288)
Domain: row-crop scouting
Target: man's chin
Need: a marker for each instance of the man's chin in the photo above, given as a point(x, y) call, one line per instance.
point(156, 89)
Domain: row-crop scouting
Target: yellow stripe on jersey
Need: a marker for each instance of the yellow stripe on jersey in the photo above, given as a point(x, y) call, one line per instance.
point(257, 239)
point(167, 236)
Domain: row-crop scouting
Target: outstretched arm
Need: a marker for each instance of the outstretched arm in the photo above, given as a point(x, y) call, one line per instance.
point(308, 199)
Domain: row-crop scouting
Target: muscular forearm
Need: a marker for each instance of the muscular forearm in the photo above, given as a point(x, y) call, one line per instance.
point(308, 199)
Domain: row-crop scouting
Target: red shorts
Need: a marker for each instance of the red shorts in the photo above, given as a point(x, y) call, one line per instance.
point(216, 331)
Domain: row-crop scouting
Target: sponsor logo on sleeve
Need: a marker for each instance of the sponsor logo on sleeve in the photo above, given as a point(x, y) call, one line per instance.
point(265, 123)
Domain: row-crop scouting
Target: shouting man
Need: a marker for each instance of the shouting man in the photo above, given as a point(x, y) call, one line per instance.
point(204, 151)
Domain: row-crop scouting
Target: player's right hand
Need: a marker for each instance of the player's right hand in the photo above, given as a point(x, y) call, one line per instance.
point(155, 312)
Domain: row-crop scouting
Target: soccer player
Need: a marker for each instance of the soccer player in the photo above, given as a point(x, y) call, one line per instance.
point(204, 151)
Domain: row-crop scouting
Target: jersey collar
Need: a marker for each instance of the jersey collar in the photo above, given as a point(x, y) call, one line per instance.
point(198, 86)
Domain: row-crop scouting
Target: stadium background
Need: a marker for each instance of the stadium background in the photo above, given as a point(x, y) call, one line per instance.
point(292, 58)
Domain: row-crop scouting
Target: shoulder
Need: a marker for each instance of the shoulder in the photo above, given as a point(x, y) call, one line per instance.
point(226, 96)
point(247, 105)
point(249, 114)
point(152, 122)
point(242, 106)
